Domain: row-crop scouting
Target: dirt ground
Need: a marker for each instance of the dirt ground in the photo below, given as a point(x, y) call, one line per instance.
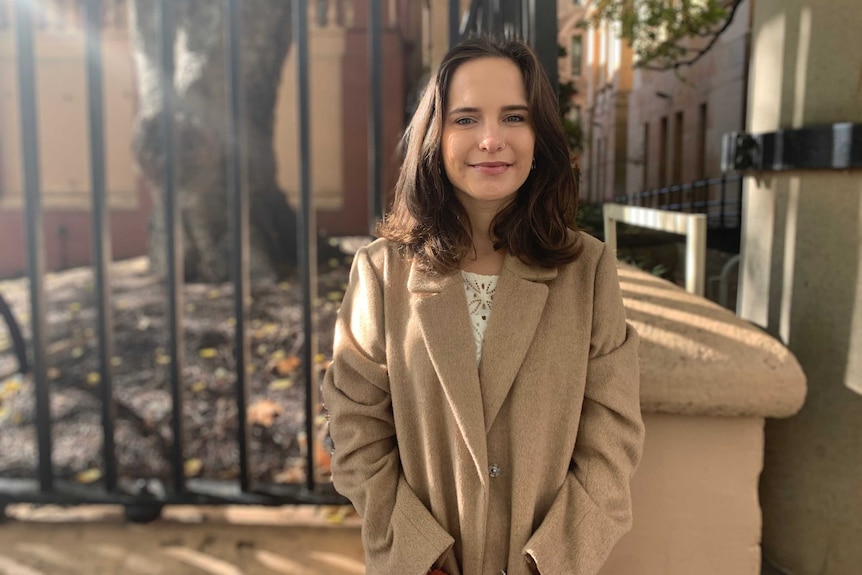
point(141, 385)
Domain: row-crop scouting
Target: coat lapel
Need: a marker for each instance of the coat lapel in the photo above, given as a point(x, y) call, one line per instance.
point(441, 308)
point(519, 302)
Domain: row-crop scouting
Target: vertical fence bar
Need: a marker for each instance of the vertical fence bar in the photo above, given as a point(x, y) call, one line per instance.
point(722, 202)
point(173, 233)
point(375, 119)
point(307, 234)
point(101, 237)
point(544, 37)
point(236, 148)
point(454, 22)
point(35, 237)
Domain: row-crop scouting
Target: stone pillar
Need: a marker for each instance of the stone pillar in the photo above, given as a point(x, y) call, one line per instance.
point(800, 279)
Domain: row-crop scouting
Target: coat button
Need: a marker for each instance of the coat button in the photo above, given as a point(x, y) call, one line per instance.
point(494, 470)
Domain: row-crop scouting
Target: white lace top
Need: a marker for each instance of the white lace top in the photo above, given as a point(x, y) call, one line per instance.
point(480, 293)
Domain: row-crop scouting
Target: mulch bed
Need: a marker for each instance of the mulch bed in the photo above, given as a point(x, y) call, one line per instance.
point(141, 381)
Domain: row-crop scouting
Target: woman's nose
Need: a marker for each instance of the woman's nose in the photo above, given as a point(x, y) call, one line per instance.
point(491, 141)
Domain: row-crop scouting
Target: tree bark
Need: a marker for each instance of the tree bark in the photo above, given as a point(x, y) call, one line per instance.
point(201, 139)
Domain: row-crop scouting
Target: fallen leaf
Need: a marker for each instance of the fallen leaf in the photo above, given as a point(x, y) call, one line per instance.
point(264, 412)
point(192, 467)
point(287, 365)
point(77, 352)
point(11, 386)
point(213, 294)
point(89, 333)
point(89, 476)
point(199, 386)
point(74, 307)
point(337, 515)
point(333, 263)
point(278, 354)
point(93, 378)
point(280, 384)
point(208, 353)
point(190, 307)
point(116, 361)
point(163, 359)
point(284, 286)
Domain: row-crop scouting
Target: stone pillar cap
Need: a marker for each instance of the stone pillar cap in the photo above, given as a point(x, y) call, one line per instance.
point(698, 358)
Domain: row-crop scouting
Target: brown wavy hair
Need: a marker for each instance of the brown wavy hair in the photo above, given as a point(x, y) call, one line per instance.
point(429, 222)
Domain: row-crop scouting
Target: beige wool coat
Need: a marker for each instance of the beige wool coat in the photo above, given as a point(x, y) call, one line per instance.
point(527, 458)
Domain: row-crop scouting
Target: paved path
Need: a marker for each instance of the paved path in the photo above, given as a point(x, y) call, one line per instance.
point(187, 541)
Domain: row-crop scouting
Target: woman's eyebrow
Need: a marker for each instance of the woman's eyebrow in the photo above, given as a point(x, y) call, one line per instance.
point(510, 108)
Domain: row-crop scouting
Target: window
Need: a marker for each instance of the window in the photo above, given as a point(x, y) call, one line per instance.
point(662, 154)
point(645, 181)
point(701, 142)
point(676, 176)
point(576, 53)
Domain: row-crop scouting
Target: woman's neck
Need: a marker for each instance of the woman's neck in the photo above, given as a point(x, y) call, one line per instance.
point(483, 258)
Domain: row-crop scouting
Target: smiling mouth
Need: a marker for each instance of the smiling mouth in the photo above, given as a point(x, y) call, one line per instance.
point(491, 165)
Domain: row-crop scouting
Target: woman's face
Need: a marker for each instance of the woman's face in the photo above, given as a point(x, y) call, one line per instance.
point(488, 138)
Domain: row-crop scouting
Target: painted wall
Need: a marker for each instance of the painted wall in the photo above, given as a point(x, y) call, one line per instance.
point(694, 499)
point(64, 141)
point(802, 281)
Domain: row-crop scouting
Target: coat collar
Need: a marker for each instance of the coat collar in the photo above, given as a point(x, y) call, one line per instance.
point(476, 396)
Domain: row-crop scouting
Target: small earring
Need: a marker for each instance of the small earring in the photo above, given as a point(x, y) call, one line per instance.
point(534, 164)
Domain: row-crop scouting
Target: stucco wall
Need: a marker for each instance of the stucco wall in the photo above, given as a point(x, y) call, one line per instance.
point(695, 499)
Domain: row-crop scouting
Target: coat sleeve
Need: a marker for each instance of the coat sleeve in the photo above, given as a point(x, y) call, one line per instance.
point(399, 534)
point(592, 510)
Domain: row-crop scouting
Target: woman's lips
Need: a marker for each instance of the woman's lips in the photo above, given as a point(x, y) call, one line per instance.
point(491, 168)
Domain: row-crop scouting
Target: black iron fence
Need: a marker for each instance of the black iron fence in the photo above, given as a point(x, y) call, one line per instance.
point(141, 497)
point(720, 199)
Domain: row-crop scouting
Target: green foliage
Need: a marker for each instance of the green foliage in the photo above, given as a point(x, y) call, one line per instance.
point(667, 34)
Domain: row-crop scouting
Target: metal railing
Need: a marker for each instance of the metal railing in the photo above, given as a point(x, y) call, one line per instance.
point(692, 226)
point(720, 199)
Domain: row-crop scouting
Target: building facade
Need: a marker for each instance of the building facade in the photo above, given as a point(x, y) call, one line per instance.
point(647, 129)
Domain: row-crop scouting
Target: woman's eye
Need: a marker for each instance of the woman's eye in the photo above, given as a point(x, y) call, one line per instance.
point(515, 118)
point(464, 121)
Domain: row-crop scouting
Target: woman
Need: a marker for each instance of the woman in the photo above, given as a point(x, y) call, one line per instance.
point(475, 439)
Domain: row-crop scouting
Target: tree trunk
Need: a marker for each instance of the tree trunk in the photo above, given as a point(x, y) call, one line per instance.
point(201, 133)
